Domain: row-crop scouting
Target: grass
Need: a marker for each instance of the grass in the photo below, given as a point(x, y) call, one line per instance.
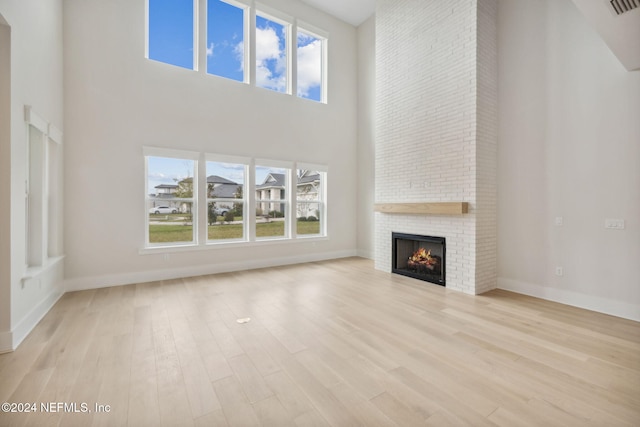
point(167, 233)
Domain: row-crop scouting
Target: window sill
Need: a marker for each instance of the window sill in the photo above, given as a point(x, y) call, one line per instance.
point(229, 244)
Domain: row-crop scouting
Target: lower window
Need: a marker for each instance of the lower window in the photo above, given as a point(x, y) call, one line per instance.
point(195, 199)
point(171, 212)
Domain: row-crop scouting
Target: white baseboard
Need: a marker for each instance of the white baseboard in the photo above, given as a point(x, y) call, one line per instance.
point(6, 342)
point(602, 305)
point(28, 322)
point(95, 282)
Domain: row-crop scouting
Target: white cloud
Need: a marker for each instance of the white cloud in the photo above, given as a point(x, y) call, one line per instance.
point(210, 49)
point(267, 44)
point(239, 51)
point(270, 60)
point(161, 177)
point(309, 66)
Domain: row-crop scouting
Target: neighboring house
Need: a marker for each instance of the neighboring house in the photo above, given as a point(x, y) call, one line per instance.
point(272, 188)
point(308, 190)
point(222, 188)
point(165, 190)
point(162, 193)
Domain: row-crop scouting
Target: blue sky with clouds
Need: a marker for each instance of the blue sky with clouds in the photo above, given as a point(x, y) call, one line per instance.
point(164, 170)
point(171, 41)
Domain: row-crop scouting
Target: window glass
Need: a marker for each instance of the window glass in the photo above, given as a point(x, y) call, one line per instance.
point(170, 37)
point(271, 201)
point(170, 200)
point(271, 54)
point(310, 67)
point(225, 40)
point(225, 201)
point(309, 202)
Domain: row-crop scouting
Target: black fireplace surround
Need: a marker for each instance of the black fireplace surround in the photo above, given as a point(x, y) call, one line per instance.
point(420, 257)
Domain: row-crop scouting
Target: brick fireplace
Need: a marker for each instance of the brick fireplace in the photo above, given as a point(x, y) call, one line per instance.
point(436, 130)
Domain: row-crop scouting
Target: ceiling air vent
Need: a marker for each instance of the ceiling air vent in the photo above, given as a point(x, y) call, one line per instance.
point(618, 7)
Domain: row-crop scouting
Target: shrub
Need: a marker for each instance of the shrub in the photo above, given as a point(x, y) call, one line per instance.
point(302, 218)
point(276, 214)
point(228, 216)
point(212, 217)
point(312, 218)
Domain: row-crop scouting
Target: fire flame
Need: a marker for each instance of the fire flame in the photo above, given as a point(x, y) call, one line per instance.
point(422, 256)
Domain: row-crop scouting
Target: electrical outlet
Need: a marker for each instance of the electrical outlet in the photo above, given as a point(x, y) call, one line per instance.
point(614, 223)
point(559, 271)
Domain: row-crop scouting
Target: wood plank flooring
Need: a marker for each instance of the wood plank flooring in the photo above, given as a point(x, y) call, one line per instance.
point(332, 343)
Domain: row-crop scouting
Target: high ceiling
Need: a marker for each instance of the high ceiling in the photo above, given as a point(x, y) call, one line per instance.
point(621, 33)
point(355, 12)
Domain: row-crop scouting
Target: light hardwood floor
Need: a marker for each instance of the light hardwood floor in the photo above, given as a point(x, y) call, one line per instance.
point(331, 343)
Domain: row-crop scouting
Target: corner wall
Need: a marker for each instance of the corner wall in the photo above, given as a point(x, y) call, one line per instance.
point(569, 148)
point(366, 136)
point(5, 184)
point(36, 80)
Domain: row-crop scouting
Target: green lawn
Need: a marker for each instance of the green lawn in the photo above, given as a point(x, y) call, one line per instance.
point(165, 233)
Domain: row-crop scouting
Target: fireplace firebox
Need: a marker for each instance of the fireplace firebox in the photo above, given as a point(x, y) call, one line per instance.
point(420, 257)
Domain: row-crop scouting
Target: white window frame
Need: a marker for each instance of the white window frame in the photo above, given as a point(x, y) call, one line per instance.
point(250, 201)
point(246, 162)
point(246, 34)
point(252, 9)
point(287, 201)
point(322, 199)
point(287, 22)
point(323, 36)
point(195, 210)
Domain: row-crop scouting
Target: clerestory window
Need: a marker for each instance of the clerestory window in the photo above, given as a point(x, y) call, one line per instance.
point(170, 32)
point(226, 41)
point(294, 65)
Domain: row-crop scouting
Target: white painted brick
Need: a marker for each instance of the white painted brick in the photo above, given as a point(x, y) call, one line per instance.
point(436, 129)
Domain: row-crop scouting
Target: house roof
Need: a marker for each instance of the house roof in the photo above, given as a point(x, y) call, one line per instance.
point(215, 179)
point(305, 179)
point(223, 188)
point(166, 186)
point(277, 180)
point(273, 180)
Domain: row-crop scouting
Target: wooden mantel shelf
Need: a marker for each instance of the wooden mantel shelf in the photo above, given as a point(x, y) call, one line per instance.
point(434, 208)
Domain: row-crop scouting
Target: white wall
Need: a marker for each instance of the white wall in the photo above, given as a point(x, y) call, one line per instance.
point(366, 135)
point(5, 184)
point(36, 80)
point(116, 102)
point(569, 146)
